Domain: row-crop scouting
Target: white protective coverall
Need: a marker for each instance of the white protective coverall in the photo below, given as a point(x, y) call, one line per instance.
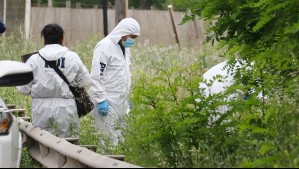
point(220, 85)
point(53, 106)
point(111, 78)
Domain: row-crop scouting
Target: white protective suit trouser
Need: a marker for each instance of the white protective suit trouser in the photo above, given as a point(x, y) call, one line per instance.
point(60, 119)
point(110, 126)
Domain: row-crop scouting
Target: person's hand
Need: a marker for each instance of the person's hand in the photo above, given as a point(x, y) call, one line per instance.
point(103, 108)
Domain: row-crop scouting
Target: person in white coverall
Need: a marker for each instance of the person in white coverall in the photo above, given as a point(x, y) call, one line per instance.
point(111, 76)
point(53, 106)
point(220, 84)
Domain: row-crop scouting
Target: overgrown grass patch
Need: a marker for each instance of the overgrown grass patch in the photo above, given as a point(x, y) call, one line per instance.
point(168, 128)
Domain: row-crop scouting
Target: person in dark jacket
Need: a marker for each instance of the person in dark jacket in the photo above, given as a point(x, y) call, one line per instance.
point(2, 27)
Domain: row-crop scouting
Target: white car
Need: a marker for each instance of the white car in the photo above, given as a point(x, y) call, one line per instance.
point(12, 73)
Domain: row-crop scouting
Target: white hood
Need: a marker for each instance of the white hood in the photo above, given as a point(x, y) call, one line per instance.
point(127, 26)
point(53, 52)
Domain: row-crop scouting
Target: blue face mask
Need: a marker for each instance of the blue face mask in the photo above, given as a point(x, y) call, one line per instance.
point(128, 43)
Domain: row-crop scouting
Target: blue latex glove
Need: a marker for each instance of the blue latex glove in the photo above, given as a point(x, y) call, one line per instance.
point(103, 108)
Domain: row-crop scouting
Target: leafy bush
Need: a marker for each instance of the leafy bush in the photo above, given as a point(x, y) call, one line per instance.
point(264, 33)
point(169, 127)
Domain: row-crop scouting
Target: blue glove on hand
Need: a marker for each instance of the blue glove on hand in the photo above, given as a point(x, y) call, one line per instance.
point(103, 108)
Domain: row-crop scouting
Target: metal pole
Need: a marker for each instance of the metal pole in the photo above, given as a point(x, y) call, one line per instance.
point(105, 18)
point(4, 14)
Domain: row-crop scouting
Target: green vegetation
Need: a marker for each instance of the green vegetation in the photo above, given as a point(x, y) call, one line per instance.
point(265, 33)
point(165, 128)
point(168, 128)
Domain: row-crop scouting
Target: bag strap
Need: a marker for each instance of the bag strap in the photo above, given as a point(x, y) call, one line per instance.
point(58, 71)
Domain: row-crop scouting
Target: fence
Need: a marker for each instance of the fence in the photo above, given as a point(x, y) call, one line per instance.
point(80, 24)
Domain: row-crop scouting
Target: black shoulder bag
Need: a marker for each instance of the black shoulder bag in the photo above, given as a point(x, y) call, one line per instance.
point(83, 101)
point(27, 56)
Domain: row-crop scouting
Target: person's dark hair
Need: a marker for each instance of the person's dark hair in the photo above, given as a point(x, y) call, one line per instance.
point(52, 33)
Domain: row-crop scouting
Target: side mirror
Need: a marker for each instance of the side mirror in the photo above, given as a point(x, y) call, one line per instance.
point(13, 73)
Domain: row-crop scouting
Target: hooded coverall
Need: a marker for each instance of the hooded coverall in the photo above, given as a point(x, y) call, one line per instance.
point(220, 84)
point(111, 78)
point(53, 106)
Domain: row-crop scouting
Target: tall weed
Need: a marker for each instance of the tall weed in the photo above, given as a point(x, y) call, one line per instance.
point(169, 127)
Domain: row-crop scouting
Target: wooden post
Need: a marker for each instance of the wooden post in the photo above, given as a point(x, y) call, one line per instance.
point(78, 5)
point(39, 3)
point(50, 3)
point(121, 10)
point(126, 7)
point(68, 3)
point(96, 6)
point(173, 24)
point(27, 19)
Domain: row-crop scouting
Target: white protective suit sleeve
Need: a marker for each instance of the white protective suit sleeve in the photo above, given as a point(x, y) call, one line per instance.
point(97, 74)
point(25, 90)
point(83, 79)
